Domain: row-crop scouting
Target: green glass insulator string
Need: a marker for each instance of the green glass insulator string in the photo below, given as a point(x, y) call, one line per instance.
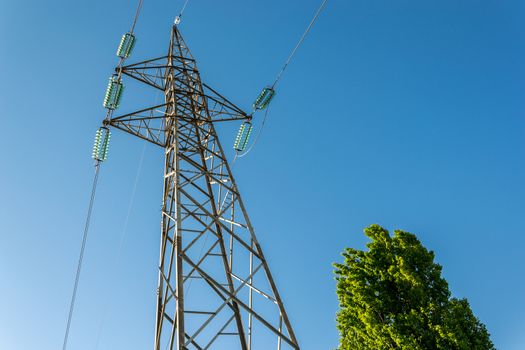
point(101, 145)
point(264, 98)
point(126, 45)
point(113, 93)
point(243, 136)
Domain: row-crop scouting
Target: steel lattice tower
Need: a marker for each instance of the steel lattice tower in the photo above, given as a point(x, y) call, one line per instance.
point(207, 240)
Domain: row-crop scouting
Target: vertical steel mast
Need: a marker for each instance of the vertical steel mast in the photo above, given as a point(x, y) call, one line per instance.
point(215, 289)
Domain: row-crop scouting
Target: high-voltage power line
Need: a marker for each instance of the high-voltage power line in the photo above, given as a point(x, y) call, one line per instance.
point(207, 238)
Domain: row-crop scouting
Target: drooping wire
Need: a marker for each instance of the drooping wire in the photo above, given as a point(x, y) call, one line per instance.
point(90, 207)
point(81, 256)
point(124, 231)
point(299, 43)
point(122, 240)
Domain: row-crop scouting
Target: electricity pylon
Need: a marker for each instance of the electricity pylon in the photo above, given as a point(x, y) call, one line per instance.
point(215, 289)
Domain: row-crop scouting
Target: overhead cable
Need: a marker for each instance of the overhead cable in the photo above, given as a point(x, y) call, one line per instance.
point(299, 43)
point(81, 256)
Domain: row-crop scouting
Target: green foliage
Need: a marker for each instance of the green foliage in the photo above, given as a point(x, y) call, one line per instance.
point(393, 297)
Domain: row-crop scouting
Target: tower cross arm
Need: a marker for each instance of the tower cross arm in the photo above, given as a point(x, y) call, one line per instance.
point(221, 109)
point(187, 87)
point(195, 102)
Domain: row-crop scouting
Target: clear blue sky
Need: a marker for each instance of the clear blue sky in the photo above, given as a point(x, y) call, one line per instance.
point(407, 113)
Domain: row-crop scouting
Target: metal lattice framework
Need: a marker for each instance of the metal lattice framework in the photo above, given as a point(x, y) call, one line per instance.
point(215, 289)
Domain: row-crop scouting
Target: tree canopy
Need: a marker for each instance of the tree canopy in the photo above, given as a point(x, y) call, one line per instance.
point(392, 296)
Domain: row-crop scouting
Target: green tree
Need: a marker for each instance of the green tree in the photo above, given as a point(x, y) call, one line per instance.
point(392, 296)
